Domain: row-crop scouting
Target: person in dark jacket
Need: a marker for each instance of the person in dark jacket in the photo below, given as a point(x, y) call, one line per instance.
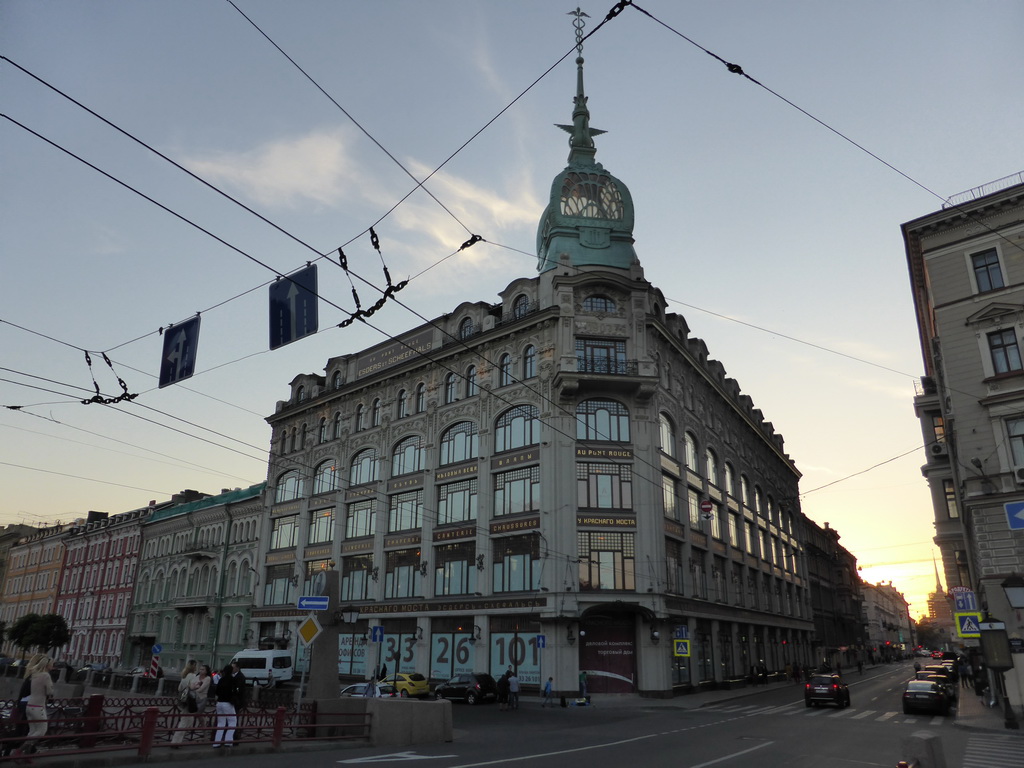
point(230, 697)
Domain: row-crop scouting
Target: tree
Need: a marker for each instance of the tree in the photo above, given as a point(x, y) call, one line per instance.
point(44, 632)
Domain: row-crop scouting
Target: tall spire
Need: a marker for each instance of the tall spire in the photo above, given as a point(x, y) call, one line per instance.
point(938, 583)
point(581, 135)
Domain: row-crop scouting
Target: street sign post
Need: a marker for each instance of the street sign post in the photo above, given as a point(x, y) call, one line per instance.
point(968, 624)
point(178, 359)
point(1015, 515)
point(310, 629)
point(293, 307)
point(680, 647)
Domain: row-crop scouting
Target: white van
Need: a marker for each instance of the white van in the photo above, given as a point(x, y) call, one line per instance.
point(264, 667)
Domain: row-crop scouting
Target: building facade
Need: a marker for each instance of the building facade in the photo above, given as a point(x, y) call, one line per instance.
point(967, 277)
point(560, 481)
point(836, 600)
point(196, 579)
point(34, 567)
point(890, 630)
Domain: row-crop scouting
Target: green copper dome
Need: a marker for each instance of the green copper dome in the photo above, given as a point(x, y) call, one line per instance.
point(590, 212)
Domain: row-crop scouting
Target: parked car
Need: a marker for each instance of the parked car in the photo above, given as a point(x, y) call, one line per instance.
point(472, 688)
point(826, 689)
point(944, 680)
point(412, 684)
point(370, 690)
point(942, 669)
point(927, 696)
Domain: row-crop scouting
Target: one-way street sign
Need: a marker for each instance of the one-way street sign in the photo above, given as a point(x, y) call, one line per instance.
point(313, 602)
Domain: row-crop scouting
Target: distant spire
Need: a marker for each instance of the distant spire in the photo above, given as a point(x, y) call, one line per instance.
point(581, 141)
point(938, 582)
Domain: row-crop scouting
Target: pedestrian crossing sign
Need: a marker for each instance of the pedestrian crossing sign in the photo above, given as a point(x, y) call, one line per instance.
point(680, 647)
point(968, 624)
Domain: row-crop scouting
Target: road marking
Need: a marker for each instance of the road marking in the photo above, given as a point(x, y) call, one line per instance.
point(816, 713)
point(394, 756)
point(730, 757)
point(841, 713)
point(865, 713)
point(886, 716)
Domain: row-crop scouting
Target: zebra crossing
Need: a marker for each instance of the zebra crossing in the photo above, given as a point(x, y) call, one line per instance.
point(991, 751)
point(848, 713)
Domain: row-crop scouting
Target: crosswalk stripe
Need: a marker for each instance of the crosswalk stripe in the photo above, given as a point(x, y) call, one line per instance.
point(887, 715)
point(865, 713)
point(841, 712)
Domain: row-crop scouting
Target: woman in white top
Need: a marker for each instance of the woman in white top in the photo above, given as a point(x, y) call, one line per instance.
point(189, 683)
point(38, 671)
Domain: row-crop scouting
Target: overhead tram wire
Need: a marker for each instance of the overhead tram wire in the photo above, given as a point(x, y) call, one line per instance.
point(736, 69)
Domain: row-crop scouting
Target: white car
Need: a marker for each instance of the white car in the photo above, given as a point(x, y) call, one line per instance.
point(370, 690)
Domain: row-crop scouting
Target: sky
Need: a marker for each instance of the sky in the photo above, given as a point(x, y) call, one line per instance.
point(768, 212)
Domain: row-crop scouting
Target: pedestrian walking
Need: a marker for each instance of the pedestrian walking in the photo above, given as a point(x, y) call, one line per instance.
point(547, 693)
point(583, 683)
point(229, 698)
point(503, 692)
point(40, 691)
point(186, 700)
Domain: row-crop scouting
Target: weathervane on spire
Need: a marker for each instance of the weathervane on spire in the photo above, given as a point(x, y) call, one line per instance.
point(579, 23)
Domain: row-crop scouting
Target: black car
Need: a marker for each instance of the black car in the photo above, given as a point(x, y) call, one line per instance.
point(944, 680)
point(826, 689)
point(473, 688)
point(926, 696)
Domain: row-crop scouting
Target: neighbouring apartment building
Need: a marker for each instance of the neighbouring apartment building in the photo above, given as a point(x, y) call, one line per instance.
point(966, 265)
point(563, 480)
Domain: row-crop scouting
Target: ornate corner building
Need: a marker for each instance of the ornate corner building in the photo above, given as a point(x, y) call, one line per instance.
point(560, 481)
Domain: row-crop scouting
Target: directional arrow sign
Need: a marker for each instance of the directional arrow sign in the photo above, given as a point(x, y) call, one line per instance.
point(178, 360)
point(1015, 515)
point(313, 602)
point(293, 309)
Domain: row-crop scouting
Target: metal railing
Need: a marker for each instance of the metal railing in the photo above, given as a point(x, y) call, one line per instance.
point(607, 367)
point(139, 725)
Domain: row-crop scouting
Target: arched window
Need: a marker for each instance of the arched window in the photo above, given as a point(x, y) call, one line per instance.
point(449, 388)
point(321, 433)
point(711, 467)
point(336, 380)
point(284, 442)
point(460, 442)
point(598, 304)
point(602, 420)
point(360, 418)
point(466, 328)
point(520, 307)
point(758, 500)
point(691, 452)
point(421, 397)
point(472, 388)
point(745, 490)
point(302, 437)
point(505, 370)
point(517, 427)
point(295, 438)
point(300, 393)
point(729, 477)
point(375, 413)
point(288, 488)
point(666, 435)
point(337, 425)
point(529, 362)
point(407, 456)
point(403, 404)
point(364, 467)
point(325, 479)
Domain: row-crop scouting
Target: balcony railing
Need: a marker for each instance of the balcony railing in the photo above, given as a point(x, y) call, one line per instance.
point(607, 367)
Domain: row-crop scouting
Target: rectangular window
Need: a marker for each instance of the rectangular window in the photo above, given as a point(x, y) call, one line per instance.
point(607, 560)
point(950, 490)
point(402, 576)
point(718, 574)
point(361, 520)
point(456, 502)
point(455, 569)
point(693, 506)
point(405, 511)
point(604, 486)
point(987, 272)
point(517, 564)
point(355, 577)
point(938, 428)
point(321, 526)
point(517, 491)
point(281, 587)
point(766, 546)
point(716, 522)
point(1004, 350)
point(670, 497)
point(674, 562)
point(284, 532)
point(607, 356)
point(699, 576)
point(734, 533)
point(1015, 430)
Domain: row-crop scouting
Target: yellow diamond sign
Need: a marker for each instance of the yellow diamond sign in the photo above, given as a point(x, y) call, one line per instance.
point(310, 629)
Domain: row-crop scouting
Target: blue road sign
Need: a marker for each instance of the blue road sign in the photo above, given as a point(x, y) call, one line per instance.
point(681, 632)
point(377, 634)
point(1015, 515)
point(313, 602)
point(293, 307)
point(178, 361)
point(965, 601)
point(542, 641)
point(968, 624)
point(680, 647)
point(157, 649)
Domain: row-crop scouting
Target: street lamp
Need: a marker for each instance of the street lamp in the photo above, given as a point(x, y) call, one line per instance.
point(349, 614)
point(1013, 586)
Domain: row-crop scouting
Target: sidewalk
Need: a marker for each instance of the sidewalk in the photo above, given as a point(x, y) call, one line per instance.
point(971, 712)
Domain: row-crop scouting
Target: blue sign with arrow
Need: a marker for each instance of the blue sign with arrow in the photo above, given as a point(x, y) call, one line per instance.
point(178, 360)
point(313, 602)
point(1015, 515)
point(293, 307)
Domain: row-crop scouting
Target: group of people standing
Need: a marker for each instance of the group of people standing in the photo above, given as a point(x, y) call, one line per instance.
point(195, 691)
point(508, 690)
